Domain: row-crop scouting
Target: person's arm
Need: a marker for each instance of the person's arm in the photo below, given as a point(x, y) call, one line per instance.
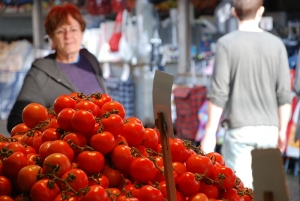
point(208, 142)
point(284, 112)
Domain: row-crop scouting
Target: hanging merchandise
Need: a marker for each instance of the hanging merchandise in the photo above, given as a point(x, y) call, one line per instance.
point(75, 2)
point(17, 2)
point(15, 61)
point(117, 33)
point(293, 140)
point(98, 7)
point(188, 100)
point(131, 4)
point(121, 89)
point(118, 5)
point(157, 49)
point(128, 41)
point(156, 1)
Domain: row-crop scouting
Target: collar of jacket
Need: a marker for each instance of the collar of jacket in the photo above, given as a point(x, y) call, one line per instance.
point(50, 67)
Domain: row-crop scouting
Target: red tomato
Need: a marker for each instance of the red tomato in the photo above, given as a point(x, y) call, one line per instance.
point(113, 193)
point(17, 138)
point(123, 183)
point(34, 114)
point(160, 176)
point(225, 176)
point(188, 184)
point(77, 96)
point(126, 198)
point(57, 159)
point(248, 197)
point(232, 195)
point(63, 101)
point(179, 152)
point(37, 142)
point(216, 157)
point(142, 150)
point(114, 105)
point(142, 170)
point(198, 197)
point(179, 168)
point(99, 179)
point(14, 163)
point(163, 189)
point(43, 150)
point(50, 134)
point(91, 162)
point(120, 140)
point(159, 160)
point(76, 139)
point(5, 198)
point(133, 119)
point(59, 197)
point(16, 147)
point(103, 142)
point(238, 183)
point(88, 105)
point(122, 158)
point(41, 190)
point(61, 146)
point(83, 121)
point(29, 137)
point(64, 119)
point(89, 135)
point(96, 193)
point(30, 150)
point(34, 159)
point(27, 176)
point(51, 123)
point(130, 188)
point(158, 134)
point(149, 193)
point(3, 144)
point(134, 133)
point(75, 178)
point(151, 139)
point(19, 129)
point(113, 175)
point(112, 123)
point(201, 165)
point(212, 199)
point(100, 99)
point(210, 190)
point(22, 197)
point(5, 186)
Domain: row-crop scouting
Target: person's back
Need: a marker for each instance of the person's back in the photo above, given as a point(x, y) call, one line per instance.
point(251, 85)
point(255, 61)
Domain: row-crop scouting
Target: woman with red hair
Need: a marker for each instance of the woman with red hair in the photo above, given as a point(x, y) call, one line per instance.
point(70, 68)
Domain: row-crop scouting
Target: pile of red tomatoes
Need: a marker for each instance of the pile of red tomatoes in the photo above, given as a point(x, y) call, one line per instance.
point(86, 149)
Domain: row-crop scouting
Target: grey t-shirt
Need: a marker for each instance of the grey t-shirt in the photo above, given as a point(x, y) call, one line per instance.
point(251, 78)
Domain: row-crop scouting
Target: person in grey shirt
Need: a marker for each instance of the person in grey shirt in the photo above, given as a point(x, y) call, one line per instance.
point(251, 88)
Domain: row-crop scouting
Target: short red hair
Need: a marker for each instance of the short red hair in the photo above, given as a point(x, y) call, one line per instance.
point(58, 15)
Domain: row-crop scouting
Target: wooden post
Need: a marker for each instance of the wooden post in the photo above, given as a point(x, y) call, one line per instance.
point(168, 168)
point(268, 196)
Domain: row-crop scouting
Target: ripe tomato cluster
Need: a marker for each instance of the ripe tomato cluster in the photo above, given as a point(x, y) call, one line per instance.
point(85, 148)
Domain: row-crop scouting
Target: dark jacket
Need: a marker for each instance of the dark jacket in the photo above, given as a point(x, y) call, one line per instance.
point(44, 82)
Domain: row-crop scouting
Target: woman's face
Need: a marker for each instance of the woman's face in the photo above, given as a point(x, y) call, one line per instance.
point(67, 38)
